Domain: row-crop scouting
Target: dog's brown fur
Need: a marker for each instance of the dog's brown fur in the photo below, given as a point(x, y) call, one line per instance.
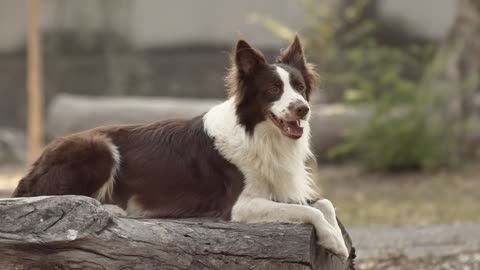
point(201, 182)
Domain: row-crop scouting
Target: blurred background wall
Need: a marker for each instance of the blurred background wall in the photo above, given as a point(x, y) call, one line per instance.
point(164, 48)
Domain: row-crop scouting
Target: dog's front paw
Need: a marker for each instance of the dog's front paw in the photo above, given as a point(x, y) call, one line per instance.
point(335, 243)
point(114, 210)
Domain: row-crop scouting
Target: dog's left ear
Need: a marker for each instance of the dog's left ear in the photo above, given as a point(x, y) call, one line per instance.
point(248, 59)
point(293, 56)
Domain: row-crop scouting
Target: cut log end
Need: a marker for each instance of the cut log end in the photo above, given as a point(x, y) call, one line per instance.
point(68, 232)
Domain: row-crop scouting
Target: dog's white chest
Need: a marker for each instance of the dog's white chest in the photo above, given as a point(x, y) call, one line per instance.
point(273, 165)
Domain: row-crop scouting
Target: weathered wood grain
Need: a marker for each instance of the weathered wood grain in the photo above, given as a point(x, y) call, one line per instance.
point(75, 232)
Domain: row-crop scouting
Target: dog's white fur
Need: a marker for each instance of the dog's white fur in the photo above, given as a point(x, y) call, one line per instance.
point(106, 191)
point(280, 107)
point(134, 208)
point(277, 181)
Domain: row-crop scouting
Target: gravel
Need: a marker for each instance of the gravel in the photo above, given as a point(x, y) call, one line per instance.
point(470, 261)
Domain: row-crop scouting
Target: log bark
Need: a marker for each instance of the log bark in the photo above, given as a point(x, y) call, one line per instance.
point(75, 232)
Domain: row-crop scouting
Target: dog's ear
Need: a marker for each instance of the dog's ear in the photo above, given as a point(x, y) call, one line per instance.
point(294, 56)
point(248, 59)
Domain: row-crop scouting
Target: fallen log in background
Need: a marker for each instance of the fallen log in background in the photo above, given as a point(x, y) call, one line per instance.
point(69, 113)
point(75, 232)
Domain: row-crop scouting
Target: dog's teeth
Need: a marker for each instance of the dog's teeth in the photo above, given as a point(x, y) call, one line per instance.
point(298, 122)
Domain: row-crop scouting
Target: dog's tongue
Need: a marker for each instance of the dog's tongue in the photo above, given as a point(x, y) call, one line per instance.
point(293, 129)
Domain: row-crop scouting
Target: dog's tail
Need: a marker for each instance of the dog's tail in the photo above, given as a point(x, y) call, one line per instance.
point(83, 164)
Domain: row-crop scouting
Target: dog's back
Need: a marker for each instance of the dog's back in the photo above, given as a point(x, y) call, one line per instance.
point(165, 169)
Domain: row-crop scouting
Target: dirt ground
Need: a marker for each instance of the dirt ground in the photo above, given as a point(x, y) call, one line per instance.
point(459, 262)
point(442, 197)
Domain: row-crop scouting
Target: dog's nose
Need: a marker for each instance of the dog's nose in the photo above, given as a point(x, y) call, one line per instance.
point(300, 109)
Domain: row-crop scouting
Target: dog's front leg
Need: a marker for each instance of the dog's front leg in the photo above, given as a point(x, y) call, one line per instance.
point(255, 210)
point(328, 211)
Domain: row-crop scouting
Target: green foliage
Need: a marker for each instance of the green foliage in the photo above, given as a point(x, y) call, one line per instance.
point(403, 134)
point(408, 127)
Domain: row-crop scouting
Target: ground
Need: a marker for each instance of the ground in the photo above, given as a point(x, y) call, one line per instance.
point(442, 197)
point(365, 198)
point(469, 261)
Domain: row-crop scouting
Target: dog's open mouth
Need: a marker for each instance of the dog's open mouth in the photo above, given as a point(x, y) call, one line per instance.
point(290, 129)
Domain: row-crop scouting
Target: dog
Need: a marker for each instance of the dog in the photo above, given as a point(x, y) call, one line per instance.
point(244, 160)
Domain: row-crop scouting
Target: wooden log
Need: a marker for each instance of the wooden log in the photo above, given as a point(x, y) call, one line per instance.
point(70, 113)
point(75, 232)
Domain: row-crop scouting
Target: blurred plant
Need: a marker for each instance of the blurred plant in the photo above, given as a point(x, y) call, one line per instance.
point(341, 39)
point(405, 132)
point(408, 128)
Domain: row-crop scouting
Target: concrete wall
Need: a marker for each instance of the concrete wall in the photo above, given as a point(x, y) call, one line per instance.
point(12, 24)
point(167, 26)
point(154, 23)
point(430, 19)
point(218, 21)
point(166, 23)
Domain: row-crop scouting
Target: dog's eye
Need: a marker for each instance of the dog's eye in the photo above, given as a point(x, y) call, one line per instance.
point(299, 86)
point(274, 90)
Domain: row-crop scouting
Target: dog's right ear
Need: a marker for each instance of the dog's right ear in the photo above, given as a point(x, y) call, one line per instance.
point(247, 59)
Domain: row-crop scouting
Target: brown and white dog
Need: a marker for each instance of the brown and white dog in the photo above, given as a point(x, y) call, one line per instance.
point(243, 160)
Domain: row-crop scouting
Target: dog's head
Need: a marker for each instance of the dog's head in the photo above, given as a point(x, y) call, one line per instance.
point(278, 92)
